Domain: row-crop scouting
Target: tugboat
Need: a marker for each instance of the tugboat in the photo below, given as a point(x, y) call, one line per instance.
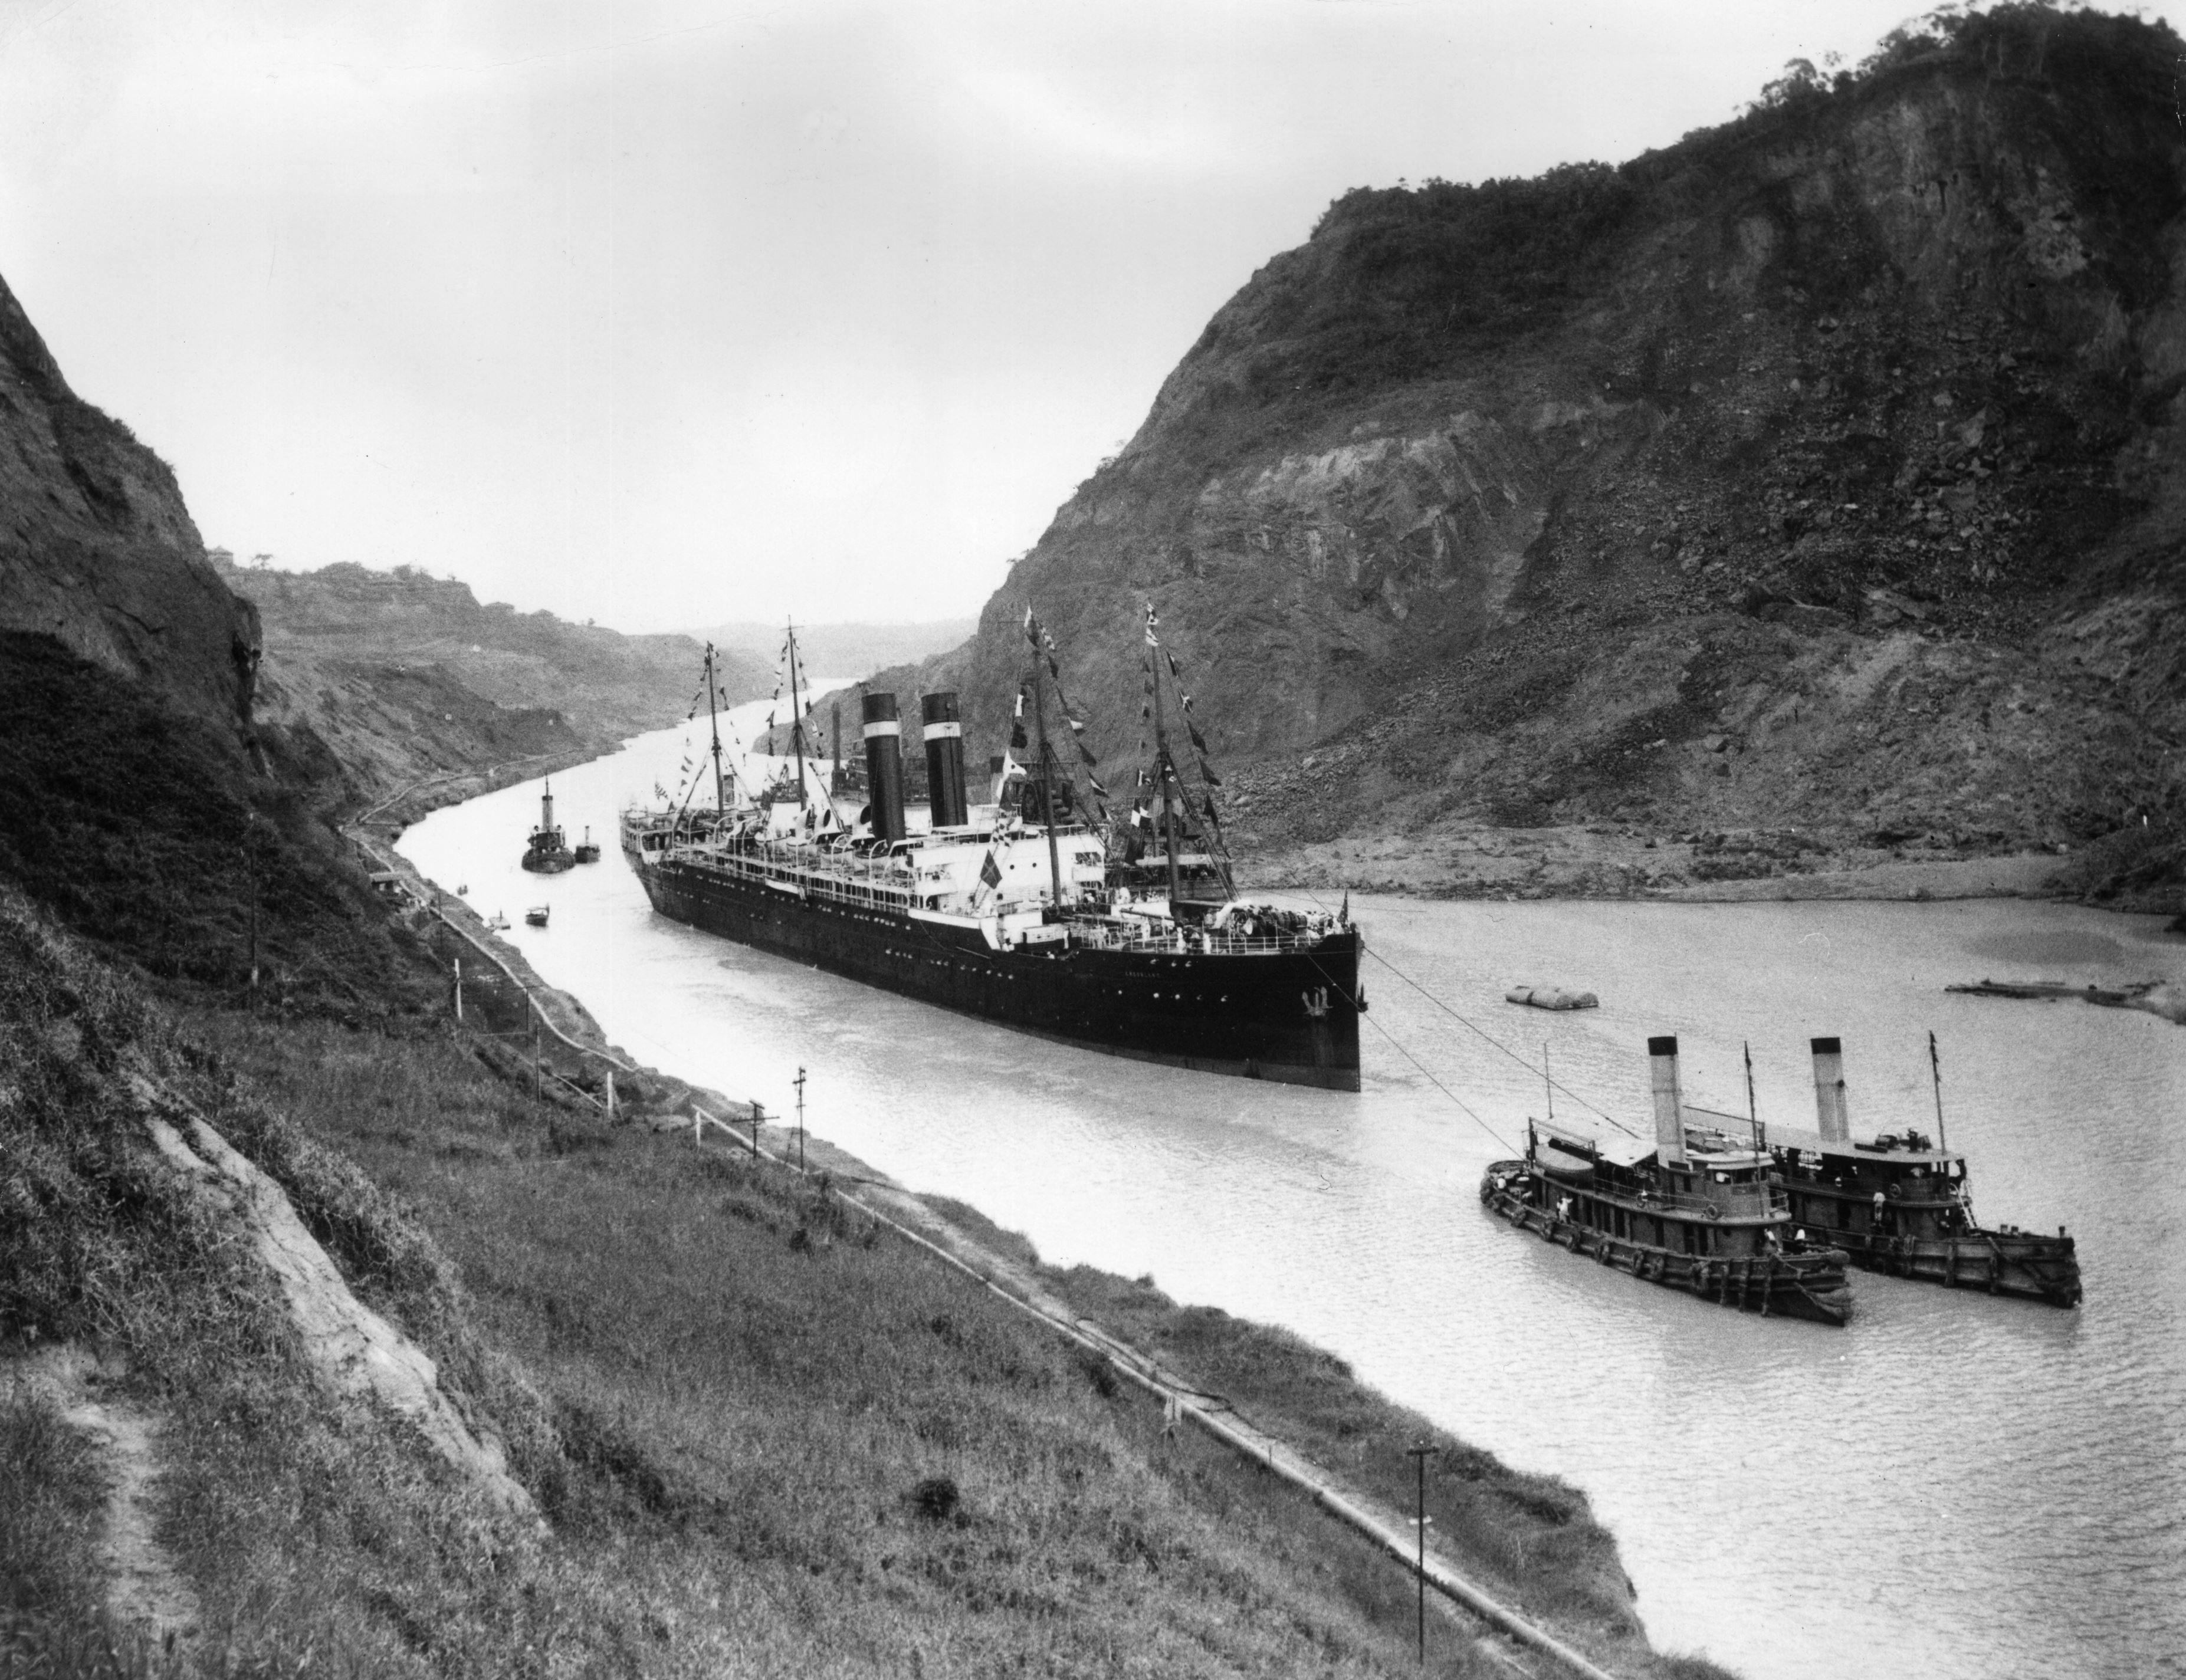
point(1899, 1203)
point(588, 850)
point(536, 916)
point(1699, 1212)
point(547, 854)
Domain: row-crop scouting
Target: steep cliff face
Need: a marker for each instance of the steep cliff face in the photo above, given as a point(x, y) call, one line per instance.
point(1826, 468)
point(97, 548)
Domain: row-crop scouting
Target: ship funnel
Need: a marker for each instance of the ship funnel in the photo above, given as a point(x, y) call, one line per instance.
point(1669, 1102)
point(944, 760)
point(884, 766)
point(546, 809)
point(1829, 1091)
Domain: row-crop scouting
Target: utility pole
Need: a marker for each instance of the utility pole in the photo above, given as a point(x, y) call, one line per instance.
point(800, 1082)
point(1419, 1456)
point(459, 990)
point(758, 1118)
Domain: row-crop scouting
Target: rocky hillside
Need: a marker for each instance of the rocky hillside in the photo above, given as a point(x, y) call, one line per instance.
point(1816, 481)
point(403, 675)
point(97, 548)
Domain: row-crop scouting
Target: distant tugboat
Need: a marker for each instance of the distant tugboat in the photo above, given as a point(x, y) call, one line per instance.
point(1898, 1204)
point(536, 916)
point(548, 853)
point(588, 850)
point(1697, 1212)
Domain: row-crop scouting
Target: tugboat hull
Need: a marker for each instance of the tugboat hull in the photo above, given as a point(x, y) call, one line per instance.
point(1797, 1285)
point(2022, 1264)
point(547, 862)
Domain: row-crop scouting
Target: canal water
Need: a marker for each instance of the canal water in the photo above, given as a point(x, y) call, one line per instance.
point(1954, 1486)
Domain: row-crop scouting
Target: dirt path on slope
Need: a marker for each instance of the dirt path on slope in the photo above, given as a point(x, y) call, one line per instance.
point(143, 1586)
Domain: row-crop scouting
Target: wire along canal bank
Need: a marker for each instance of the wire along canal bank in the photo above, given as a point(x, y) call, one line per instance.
point(1519, 1572)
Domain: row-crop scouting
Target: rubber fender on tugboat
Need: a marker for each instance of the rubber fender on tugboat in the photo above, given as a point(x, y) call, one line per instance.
point(1710, 1212)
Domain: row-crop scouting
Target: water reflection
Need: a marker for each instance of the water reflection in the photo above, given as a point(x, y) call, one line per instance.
point(1953, 1486)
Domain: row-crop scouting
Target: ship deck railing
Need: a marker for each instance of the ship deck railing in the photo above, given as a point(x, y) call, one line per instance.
point(852, 879)
point(1943, 1193)
point(1733, 1201)
point(1107, 936)
point(885, 883)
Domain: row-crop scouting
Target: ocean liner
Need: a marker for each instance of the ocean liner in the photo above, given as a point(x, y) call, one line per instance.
point(1015, 911)
point(1699, 1211)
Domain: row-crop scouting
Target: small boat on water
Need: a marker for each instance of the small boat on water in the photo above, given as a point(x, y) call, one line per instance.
point(548, 853)
point(536, 916)
point(1899, 1203)
point(587, 850)
point(1699, 1211)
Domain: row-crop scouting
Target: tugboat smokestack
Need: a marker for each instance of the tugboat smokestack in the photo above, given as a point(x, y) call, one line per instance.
point(1829, 1091)
point(944, 760)
point(884, 766)
point(1669, 1102)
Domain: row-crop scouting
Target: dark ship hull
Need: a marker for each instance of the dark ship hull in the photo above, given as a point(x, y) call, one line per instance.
point(548, 863)
point(1289, 1016)
point(1927, 1238)
point(1789, 1284)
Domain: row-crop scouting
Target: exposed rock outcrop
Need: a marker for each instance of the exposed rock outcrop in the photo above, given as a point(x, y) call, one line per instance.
point(97, 548)
point(357, 1353)
point(1823, 470)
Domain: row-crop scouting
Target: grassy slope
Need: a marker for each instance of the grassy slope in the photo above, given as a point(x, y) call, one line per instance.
point(748, 1390)
point(733, 1399)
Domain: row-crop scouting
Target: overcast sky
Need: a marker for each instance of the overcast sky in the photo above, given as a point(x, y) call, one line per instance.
point(667, 313)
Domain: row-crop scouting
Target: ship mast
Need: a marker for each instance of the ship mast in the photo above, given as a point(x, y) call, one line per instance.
point(713, 721)
point(796, 717)
point(1047, 769)
point(1165, 769)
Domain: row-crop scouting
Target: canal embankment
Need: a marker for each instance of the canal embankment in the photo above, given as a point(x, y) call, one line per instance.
point(1516, 1559)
